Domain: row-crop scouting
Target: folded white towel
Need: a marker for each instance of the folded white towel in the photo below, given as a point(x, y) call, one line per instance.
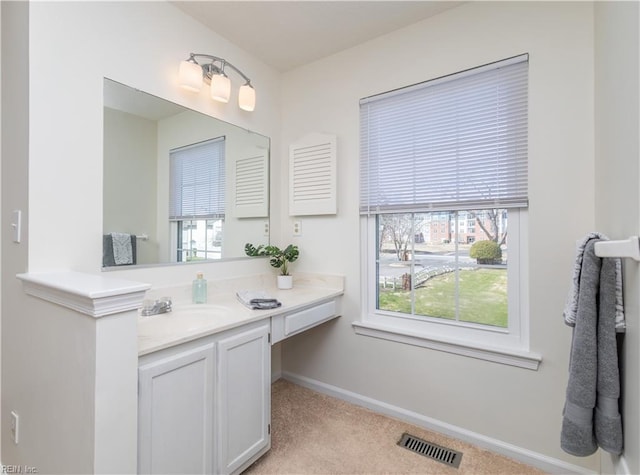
point(122, 249)
point(257, 299)
point(571, 306)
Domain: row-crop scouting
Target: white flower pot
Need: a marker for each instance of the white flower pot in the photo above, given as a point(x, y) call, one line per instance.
point(285, 281)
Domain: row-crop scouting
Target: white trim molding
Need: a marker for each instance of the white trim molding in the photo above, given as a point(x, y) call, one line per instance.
point(543, 462)
point(512, 357)
point(90, 294)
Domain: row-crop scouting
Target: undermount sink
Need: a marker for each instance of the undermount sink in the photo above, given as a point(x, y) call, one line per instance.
point(201, 309)
point(185, 318)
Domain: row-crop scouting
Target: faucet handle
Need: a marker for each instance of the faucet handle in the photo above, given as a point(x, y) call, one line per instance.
point(148, 307)
point(166, 303)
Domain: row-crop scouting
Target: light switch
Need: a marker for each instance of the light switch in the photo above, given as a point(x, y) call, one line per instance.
point(16, 218)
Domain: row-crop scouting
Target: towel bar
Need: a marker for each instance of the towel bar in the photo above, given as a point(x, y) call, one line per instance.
point(142, 237)
point(626, 248)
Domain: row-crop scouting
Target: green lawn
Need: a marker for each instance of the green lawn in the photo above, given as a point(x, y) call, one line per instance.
point(483, 297)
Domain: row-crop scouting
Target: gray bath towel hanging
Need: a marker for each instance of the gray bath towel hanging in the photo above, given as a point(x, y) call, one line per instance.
point(591, 415)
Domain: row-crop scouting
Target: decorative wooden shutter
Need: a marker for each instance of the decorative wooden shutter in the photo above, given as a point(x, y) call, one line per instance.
point(252, 189)
point(312, 175)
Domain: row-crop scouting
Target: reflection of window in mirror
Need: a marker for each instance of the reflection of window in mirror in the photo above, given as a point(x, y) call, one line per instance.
point(197, 200)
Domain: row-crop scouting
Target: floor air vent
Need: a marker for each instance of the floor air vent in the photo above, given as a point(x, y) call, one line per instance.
point(430, 450)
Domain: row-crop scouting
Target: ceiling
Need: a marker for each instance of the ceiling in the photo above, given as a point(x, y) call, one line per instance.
point(289, 34)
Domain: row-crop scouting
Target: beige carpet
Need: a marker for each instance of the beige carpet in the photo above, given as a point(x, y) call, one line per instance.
point(315, 433)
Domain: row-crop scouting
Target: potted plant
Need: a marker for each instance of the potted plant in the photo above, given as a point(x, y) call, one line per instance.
point(279, 258)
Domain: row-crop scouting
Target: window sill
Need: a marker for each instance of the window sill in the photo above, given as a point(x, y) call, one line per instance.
point(521, 359)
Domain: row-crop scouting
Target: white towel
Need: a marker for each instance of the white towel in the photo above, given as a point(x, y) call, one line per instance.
point(571, 306)
point(122, 249)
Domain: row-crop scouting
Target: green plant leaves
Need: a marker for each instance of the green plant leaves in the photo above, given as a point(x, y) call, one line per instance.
point(278, 258)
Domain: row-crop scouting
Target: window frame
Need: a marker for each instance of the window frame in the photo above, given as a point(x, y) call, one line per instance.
point(508, 346)
point(178, 251)
point(214, 209)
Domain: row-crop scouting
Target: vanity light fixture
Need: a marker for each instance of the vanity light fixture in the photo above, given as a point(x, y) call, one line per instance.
point(192, 74)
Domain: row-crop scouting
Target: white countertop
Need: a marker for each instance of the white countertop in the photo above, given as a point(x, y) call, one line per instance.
point(93, 295)
point(223, 311)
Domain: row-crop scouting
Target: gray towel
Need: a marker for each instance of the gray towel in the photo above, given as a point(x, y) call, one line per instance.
point(257, 299)
point(591, 417)
point(571, 306)
point(108, 259)
point(122, 249)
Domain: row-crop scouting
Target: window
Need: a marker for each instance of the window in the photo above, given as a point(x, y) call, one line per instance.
point(197, 200)
point(443, 201)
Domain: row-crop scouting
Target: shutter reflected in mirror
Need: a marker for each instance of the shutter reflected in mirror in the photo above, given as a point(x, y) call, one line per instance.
point(312, 175)
point(252, 189)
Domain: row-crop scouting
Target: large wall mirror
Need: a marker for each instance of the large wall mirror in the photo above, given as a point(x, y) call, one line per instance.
point(179, 186)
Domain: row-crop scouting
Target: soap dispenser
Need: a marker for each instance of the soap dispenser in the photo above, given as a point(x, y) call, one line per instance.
point(199, 289)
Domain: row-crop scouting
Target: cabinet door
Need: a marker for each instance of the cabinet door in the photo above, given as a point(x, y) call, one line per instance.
point(175, 433)
point(243, 397)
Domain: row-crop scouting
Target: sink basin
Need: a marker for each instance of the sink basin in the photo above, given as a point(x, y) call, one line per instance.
point(186, 318)
point(201, 309)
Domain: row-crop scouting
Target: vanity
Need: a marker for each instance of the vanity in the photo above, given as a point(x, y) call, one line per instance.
point(204, 371)
point(186, 391)
point(205, 374)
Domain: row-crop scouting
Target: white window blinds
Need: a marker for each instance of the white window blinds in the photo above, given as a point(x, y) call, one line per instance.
point(457, 142)
point(197, 181)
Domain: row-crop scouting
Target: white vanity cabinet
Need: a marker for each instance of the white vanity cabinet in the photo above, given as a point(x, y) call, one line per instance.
point(243, 397)
point(204, 406)
point(176, 410)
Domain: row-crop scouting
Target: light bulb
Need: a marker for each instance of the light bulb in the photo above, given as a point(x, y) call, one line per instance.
point(247, 98)
point(220, 88)
point(190, 76)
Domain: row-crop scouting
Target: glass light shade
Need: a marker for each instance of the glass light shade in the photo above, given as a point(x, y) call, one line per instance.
point(190, 76)
point(247, 98)
point(220, 88)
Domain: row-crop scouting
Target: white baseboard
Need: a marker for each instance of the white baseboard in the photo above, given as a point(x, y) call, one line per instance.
point(543, 462)
point(621, 466)
point(275, 376)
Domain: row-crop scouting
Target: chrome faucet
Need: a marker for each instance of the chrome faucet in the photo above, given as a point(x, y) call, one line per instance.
point(155, 307)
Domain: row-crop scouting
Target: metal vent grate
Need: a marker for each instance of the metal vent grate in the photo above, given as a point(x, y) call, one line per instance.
point(431, 450)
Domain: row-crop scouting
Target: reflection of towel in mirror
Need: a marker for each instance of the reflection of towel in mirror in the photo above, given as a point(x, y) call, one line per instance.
point(122, 249)
point(591, 416)
point(108, 259)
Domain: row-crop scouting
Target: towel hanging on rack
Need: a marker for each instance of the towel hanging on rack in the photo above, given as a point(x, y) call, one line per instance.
point(571, 306)
point(591, 416)
point(108, 254)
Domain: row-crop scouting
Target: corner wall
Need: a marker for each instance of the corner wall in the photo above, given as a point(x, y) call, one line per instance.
point(519, 407)
point(14, 174)
point(617, 179)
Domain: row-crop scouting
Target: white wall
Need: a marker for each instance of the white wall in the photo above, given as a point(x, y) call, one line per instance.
point(617, 106)
point(130, 162)
point(138, 44)
point(52, 170)
point(15, 151)
point(517, 406)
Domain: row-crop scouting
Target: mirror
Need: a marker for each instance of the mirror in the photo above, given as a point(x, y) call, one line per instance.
point(144, 138)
